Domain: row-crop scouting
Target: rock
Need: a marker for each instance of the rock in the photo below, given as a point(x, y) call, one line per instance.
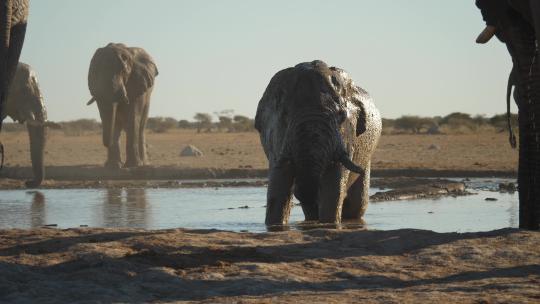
point(507, 187)
point(434, 147)
point(191, 151)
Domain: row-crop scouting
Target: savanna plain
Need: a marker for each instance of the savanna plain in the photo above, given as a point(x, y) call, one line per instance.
point(103, 265)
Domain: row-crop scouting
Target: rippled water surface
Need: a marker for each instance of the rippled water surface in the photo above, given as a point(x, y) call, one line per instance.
point(239, 209)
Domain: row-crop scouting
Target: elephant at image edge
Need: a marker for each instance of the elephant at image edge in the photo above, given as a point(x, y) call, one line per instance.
point(318, 131)
point(13, 20)
point(121, 80)
point(25, 105)
point(517, 24)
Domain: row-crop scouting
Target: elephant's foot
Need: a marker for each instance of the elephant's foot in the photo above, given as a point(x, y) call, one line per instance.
point(113, 165)
point(32, 183)
point(311, 212)
point(131, 163)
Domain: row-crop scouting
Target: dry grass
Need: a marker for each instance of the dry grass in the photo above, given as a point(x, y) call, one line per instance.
point(479, 151)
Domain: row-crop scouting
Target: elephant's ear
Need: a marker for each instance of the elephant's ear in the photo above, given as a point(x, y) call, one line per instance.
point(143, 74)
point(361, 120)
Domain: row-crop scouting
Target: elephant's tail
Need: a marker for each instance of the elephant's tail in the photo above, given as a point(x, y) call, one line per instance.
point(511, 83)
point(1, 156)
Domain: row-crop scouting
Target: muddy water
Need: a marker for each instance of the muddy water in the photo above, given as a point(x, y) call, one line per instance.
point(239, 209)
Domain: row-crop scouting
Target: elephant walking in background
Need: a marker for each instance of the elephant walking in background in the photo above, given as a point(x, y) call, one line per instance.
point(13, 19)
point(121, 80)
point(315, 123)
point(25, 105)
point(517, 24)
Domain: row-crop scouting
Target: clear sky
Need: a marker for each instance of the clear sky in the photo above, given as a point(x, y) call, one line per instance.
point(415, 57)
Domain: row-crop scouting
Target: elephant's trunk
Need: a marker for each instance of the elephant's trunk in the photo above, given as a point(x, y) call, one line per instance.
point(312, 148)
point(5, 25)
point(37, 136)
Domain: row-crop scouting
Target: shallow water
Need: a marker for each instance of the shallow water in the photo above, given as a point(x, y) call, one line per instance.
point(240, 209)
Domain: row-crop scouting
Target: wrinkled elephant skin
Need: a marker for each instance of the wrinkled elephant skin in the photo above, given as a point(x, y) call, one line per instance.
point(121, 80)
point(318, 131)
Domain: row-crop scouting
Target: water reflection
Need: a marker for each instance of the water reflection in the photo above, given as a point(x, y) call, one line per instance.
point(37, 210)
point(237, 209)
point(130, 210)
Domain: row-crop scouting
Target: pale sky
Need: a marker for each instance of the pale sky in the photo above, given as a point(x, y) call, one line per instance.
point(415, 57)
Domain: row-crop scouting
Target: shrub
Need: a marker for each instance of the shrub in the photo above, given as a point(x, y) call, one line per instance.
point(161, 124)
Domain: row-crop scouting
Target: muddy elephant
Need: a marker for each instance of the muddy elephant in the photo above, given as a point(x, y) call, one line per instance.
point(318, 131)
point(517, 24)
point(121, 80)
point(25, 105)
point(13, 20)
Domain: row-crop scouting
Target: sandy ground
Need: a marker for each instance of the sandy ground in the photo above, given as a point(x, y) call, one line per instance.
point(316, 266)
point(483, 151)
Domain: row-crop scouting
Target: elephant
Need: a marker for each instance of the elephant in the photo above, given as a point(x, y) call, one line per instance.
point(517, 24)
point(121, 80)
point(318, 131)
point(25, 105)
point(13, 21)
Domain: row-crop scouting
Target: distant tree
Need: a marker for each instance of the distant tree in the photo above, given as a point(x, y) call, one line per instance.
point(204, 120)
point(225, 122)
point(500, 121)
point(161, 124)
point(184, 124)
point(243, 124)
point(413, 123)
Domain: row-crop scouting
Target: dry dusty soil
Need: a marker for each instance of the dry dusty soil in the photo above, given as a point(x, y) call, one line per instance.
point(314, 266)
point(480, 152)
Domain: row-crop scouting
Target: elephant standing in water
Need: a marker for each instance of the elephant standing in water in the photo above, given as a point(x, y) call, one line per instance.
point(517, 24)
point(121, 80)
point(13, 20)
point(25, 105)
point(313, 121)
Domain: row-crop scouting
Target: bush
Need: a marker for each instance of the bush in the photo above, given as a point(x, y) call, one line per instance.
point(161, 124)
point(80, 127)
point(413, 124)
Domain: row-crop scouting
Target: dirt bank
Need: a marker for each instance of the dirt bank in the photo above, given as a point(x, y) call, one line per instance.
point(318, 266)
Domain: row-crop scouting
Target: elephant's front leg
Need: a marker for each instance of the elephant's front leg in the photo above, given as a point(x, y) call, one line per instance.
point(133, 133)
point(142, 135)
point(278, 200)
point(330, 199)
point(357, 199)
point(114, 160)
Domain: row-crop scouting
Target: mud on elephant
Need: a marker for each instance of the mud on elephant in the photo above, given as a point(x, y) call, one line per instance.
point(318, 131)
point(25, 105)
point(121, 80)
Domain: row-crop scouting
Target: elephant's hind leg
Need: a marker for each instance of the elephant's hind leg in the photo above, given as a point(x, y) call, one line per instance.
point(356, 202)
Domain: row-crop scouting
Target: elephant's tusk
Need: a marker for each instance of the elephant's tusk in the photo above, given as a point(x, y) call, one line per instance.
point(349, 164)
point(91, 101)
point(486, 35)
